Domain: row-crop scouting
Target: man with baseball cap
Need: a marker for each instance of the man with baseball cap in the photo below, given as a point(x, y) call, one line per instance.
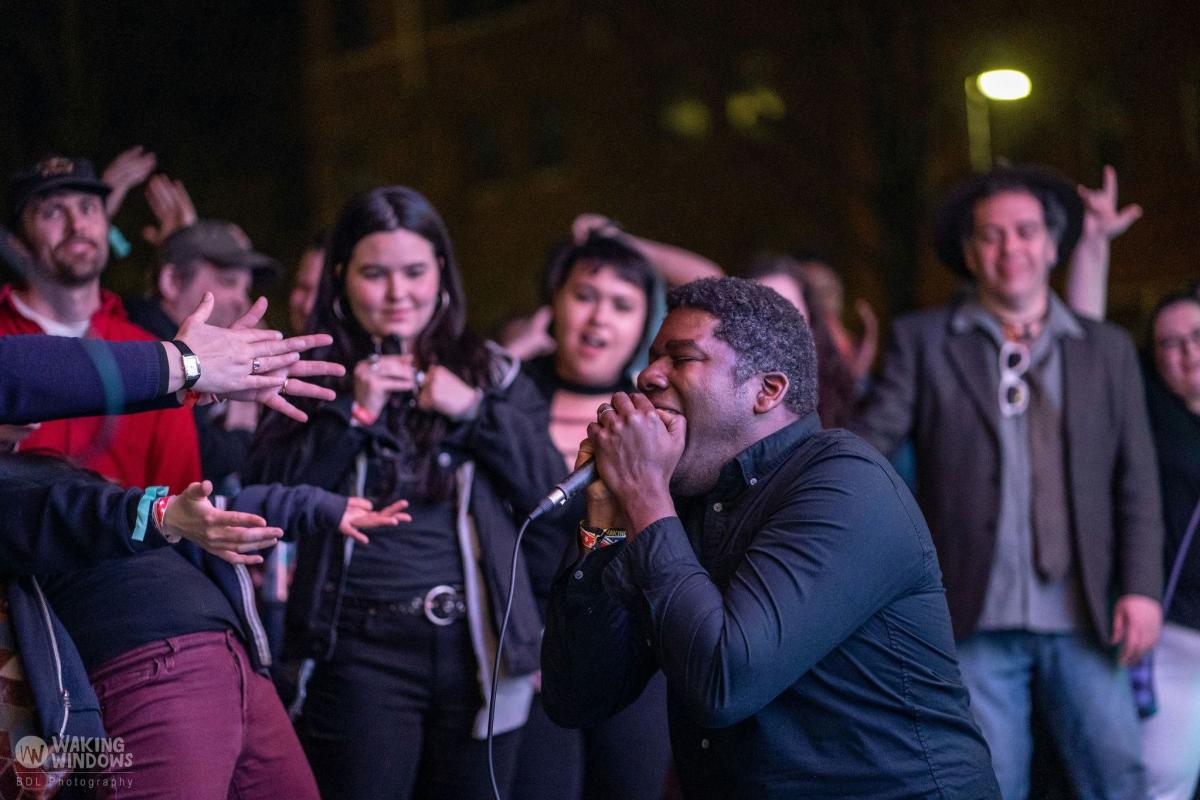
point(169, 639)
point(56, 209)
point(216, 257)
point(1037, 475)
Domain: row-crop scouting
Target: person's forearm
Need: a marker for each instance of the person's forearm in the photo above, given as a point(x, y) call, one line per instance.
point(52, 377)
point(175, 377)
point(675, 265)
point(1087, 277)
point(64, 519)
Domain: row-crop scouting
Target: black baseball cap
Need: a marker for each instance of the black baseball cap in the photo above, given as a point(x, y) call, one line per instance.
point(53, 173)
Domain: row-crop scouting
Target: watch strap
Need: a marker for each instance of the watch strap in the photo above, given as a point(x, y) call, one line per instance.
point(188, 380)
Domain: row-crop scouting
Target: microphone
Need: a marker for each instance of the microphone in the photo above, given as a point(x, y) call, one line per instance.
point(570, 486)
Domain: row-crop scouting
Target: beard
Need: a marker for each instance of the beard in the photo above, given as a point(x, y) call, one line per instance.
point(77, 270)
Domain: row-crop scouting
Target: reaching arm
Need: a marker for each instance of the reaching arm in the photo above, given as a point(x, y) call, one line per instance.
point(60, 518)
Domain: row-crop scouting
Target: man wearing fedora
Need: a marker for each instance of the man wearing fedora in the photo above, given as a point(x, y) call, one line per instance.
point(1036, 473)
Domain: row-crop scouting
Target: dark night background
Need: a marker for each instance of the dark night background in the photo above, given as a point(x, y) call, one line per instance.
point(725, 128)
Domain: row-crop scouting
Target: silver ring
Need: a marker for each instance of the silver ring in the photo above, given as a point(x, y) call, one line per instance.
point(604, 409)
point(255, 366)
point(283, 389)
point(419, 379)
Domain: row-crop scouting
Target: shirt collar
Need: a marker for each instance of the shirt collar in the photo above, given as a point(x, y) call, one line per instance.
point(1060, 321)
point(748, 467)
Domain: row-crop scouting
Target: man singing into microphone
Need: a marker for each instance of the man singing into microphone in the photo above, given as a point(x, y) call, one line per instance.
point(781, 576)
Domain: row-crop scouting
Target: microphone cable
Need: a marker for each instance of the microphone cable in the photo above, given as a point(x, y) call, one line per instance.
point(491, 726)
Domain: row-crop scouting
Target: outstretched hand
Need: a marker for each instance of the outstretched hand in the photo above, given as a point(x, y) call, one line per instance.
point(292, 373)
point(227, 356)
point(229, 535)
point(359, 515)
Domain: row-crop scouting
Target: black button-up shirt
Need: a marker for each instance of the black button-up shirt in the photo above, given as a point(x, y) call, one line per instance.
point(798, 613)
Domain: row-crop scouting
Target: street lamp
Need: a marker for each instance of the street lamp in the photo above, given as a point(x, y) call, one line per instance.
point(999, 85)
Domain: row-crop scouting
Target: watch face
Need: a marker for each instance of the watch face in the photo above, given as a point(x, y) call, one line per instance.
point(191, 367)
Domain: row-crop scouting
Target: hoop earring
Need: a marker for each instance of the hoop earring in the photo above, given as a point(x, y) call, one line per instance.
point(337, 309)
point(443, 300)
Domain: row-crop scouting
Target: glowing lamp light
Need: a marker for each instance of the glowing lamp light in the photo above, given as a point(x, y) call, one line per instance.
point(1004, 84)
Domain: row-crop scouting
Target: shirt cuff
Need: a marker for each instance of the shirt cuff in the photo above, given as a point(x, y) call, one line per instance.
point(661, 542)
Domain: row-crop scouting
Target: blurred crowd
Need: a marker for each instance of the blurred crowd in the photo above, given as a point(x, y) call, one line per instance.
point(277, 565)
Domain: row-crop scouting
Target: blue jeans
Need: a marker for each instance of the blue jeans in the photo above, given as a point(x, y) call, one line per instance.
point(1082, 695)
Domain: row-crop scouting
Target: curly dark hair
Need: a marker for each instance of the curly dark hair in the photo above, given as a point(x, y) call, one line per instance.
point(766, 333)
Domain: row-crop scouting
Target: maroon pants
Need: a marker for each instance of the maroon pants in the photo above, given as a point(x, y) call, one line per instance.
point(199, 722)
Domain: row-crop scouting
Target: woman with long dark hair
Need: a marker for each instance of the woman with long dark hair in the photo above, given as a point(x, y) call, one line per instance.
point(399, 636)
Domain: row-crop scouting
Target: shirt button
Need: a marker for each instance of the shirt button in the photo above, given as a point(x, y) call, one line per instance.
point(754, 481)
point(704, 744)
point(578, 574)
point(443, 460)
point(717, 507)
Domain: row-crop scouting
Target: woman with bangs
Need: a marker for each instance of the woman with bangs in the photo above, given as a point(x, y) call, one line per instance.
point(606, 305)
point(397, 636)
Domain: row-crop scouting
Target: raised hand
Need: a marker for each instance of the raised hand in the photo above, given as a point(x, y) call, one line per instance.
point(226, 534)
point(126, 171)
point(1102, 217)
point(586, 224)
point(530, 337)
point(171, 205)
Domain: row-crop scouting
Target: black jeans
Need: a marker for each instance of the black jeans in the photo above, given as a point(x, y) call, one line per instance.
point(390, 715)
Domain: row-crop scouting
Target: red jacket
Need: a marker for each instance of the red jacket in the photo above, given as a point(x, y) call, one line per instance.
point(153, 448)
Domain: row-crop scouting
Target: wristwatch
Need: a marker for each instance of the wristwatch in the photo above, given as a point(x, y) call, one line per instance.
point(191, 365)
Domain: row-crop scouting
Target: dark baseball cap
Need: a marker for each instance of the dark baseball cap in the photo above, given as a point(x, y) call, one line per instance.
point(220, 242)
point(52, 174)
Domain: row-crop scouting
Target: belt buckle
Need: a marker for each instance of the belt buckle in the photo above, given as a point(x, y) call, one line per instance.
point(441, 611)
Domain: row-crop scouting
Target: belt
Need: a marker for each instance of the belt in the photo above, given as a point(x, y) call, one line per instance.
point(441, 605)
